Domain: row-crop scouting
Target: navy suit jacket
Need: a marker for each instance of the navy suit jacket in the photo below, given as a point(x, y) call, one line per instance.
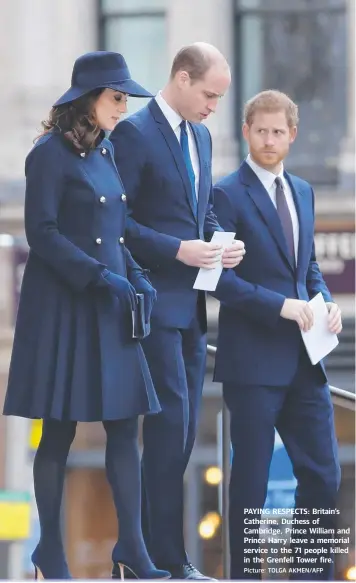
point(255, 344)
point(160, 215)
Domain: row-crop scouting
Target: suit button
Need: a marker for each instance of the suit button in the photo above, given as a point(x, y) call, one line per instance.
point(103, 151)
point(102, 199)
point(123, 197)
point(98, 241)
point(121, 240)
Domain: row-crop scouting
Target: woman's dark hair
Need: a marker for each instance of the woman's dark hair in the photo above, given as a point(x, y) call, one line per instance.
point(75, 120)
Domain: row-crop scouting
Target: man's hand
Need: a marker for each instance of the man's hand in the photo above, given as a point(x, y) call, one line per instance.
point(198, 253)
point(233, 255)
point(300, 312)
point(334, 318)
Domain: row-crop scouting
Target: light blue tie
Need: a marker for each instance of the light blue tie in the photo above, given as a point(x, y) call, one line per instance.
point(188, 163)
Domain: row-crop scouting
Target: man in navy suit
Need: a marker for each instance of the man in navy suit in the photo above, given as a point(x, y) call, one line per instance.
point(268, 379)
point(163, 154)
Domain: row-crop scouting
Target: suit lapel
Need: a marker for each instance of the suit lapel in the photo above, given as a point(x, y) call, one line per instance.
point(174, 146)
point(266, 208)
point(202, 202)
point(299, 201)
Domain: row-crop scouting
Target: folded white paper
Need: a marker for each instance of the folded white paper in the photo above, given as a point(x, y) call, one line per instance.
point(318, 340)
point(207, 279)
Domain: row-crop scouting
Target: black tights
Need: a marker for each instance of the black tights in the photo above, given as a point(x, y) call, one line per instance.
point(123, 472)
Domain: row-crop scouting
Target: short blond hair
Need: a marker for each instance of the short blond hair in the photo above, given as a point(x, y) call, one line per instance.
point(271, 101)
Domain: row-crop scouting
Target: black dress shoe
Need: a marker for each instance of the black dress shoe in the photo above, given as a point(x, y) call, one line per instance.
point(186, 571)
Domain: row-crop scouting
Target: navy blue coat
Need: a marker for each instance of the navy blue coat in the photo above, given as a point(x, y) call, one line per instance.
point(159, 207)
point(256, 346)
point(73, 355)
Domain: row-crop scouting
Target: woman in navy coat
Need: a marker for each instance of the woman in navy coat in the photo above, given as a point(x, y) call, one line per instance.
point(74, 358)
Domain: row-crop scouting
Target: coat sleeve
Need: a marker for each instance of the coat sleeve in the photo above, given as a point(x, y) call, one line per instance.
point(150, 246)
point(211, 223)
point(315, 280)
point(44, 188)
point(255, 301)
point(133, 268)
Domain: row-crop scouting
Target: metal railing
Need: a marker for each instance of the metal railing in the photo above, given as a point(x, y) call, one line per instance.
point(340, 397)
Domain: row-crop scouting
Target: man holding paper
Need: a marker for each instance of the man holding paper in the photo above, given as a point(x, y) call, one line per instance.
point(163, 154)
point(267, 375)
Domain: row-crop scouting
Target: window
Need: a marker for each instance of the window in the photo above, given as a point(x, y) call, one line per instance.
point(137, 30)
point(298, 47)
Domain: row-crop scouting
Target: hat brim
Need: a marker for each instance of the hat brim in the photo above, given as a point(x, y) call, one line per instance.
point(127, 86)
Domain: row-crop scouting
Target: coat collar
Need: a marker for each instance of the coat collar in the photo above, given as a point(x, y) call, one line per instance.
point(167, 131)
point(265, 176)
point(81, 151)
point(173, 118)
point(268, 212)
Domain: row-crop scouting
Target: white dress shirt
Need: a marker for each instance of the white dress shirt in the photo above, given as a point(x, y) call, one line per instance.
point(268, 181)
point(174, 120)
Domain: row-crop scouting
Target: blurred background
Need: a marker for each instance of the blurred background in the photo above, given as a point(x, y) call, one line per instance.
point(303, 47)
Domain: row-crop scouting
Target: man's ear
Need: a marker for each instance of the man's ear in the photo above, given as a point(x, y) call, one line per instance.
point(292, 134)
point(182, 78)
point(245, 131)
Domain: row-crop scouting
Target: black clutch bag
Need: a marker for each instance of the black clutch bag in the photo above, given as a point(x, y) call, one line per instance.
point(140, 328)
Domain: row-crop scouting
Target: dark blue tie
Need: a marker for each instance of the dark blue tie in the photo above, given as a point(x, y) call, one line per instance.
point(285, 218)
point(188, 163)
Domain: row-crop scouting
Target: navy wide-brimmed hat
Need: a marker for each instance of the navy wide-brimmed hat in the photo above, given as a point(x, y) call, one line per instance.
point(101, 69)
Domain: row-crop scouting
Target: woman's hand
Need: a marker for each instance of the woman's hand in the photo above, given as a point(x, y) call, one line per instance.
point(120, 286)
point(143, 286)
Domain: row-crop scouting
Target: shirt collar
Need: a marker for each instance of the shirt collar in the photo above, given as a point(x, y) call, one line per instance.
point(265, 176)
point(173, 118)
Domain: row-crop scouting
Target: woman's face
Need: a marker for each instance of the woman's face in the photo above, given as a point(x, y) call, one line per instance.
point(108, 108)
